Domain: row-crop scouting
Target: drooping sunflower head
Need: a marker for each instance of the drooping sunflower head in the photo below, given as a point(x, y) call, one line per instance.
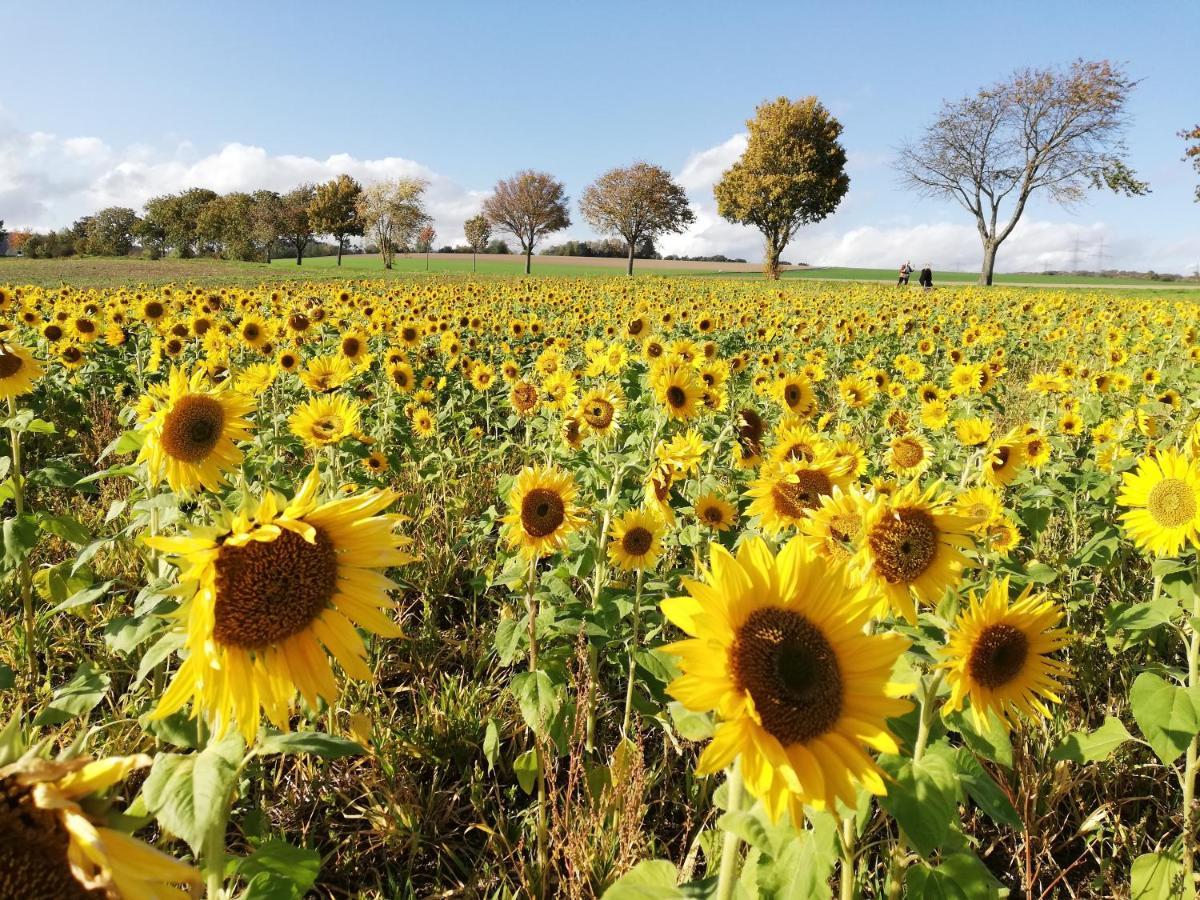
point(635, 540)
point(542, 512)
point(912, 546)
point(1163, 495)
point(779, 652)
point(999, 656)
point(191, 440)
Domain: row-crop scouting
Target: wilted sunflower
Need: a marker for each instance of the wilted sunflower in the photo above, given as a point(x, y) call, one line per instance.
point(191, 438)
point(801, 690)
point(542, 511)
point(325, 420)
point(18, 371)
point(55, 843)
point(1164, 496)
point(635, 540)
point(998, 656)
point(912, 544)
point(748, 450)
point(715, 512)
point(272, 585)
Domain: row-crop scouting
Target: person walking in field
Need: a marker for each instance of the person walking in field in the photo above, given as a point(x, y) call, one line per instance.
point(905, 271)
point(927, 277)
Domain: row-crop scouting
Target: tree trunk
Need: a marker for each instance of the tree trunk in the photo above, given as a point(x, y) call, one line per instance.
point(528, 259)
point(299, 253)
point(268, 253)
point(629, 269)
point(989, 262)
point(340, 243)
point(771, 263)
point(472, 260)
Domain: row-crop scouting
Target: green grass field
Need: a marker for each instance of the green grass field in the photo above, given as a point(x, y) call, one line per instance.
point(104, 272)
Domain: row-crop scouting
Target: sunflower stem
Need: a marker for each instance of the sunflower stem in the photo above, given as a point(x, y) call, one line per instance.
point(731, 845)
point(928, 709)
point(597, 585)
point(1193, 750)
point(26, 575)
point(633, 647)
point(846, 879)
point(543, 829)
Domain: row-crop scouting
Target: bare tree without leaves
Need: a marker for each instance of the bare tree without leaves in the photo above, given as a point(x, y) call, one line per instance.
point(528, 206)
point(296, 227)
point(1192, 136)
point(392, 212)
point(638, 202)
point(478, 232)
point(1058, 132)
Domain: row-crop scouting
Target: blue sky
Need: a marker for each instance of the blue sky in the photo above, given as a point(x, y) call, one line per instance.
point(110, 104)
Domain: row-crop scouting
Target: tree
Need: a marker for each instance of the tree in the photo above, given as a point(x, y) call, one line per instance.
point(226, 227)
point(266, 220)
point(334, 210)
point(1049, 130)
point(792, 173)
point(478, 231)
point(528, 206)
point(3, 239)
point(172, 219)
point(638, 203)
point(111, 231)
point(425, 238)
point(295, 225)
point(391, 213)
point(1192, 152)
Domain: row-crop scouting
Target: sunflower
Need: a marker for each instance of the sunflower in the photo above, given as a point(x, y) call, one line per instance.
point(748, 450)
point(483, 377)
point(912, 544)
point(542, 511)
point(1003, 460)
point(18, 371)
point(325, 420)
point(257, 378)
point(908, 455)
point(973, 432)
point(797, 440)
point(376, 462)
point(523, 398)
point(1037, 449)
point(832, 529)
point(288, 361)
point(422, 422)
point(353, 348)
point(402, 377)
point(715, 512)
point(998, 656)
point(635, 540)
point(678, 390)
point(796, 395)
point(326, 373)
point(600, 409)
point(856, 392)
point(657, 491)
point(55, 841)
point(784, 492)
point(191, 438)
point(802, 691)
point(935, 414)
point(274, 583)
point(682, 454)
point(1164, 496)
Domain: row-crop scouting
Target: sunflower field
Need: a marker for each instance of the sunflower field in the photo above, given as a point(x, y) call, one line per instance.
point(575, 588)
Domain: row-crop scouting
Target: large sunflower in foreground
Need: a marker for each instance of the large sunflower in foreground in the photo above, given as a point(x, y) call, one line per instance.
point(801, 690)
point(542, 511)
point(274, 584)
point(998, 656)
point(54, 844)
point(911, 545)
point(18, 371)
point(191, 438)
point(1164, 496)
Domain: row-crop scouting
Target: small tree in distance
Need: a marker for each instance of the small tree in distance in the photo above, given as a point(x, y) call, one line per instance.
point(1192, 136)
point(528, 206)
point(478, 232)
point(295, 224)
point(638, 202)
point(391, 213)
point(334, 210)
point(425, 238)
point(792, 173)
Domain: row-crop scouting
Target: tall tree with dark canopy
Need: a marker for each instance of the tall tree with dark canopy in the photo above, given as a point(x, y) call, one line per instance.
point(1057, 132)
point(638, 202)
point(528, 206)
point(296, 227)
point(334, 210)
point(478, 231)
point(792, 173)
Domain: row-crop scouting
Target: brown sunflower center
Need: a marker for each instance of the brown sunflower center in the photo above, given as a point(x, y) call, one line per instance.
point(542, 512)
point(750, 432)
point(676, 397)
point(10, 364)
point(790, 669)
point(192, 427)
point(801, 450)
point(52, 332)
point(907, 453)
point(351, 346)
point(845, 527)
point(599, 413)
point(904, 545)
point(637, 541)
point(1000, 457)
point(792, 498)
point(998, 655)
point(33, 850)
point(713, 514)
point(791, 394)
point(1172, 503)
point(268, 591)
point(154, 310)
point(72, 355)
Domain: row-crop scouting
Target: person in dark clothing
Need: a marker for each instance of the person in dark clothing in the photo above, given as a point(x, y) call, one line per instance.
point(927, 277)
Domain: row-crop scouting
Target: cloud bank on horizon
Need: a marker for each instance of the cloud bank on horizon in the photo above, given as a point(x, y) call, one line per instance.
point(47, 181)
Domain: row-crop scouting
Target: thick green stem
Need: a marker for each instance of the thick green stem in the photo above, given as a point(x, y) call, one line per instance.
point(543, 829)
point(25, 574)
point(593, 653)
point(928, 711)
point(633, 648)
point(846, 882)
point(731, 845)
point(1193, 751)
